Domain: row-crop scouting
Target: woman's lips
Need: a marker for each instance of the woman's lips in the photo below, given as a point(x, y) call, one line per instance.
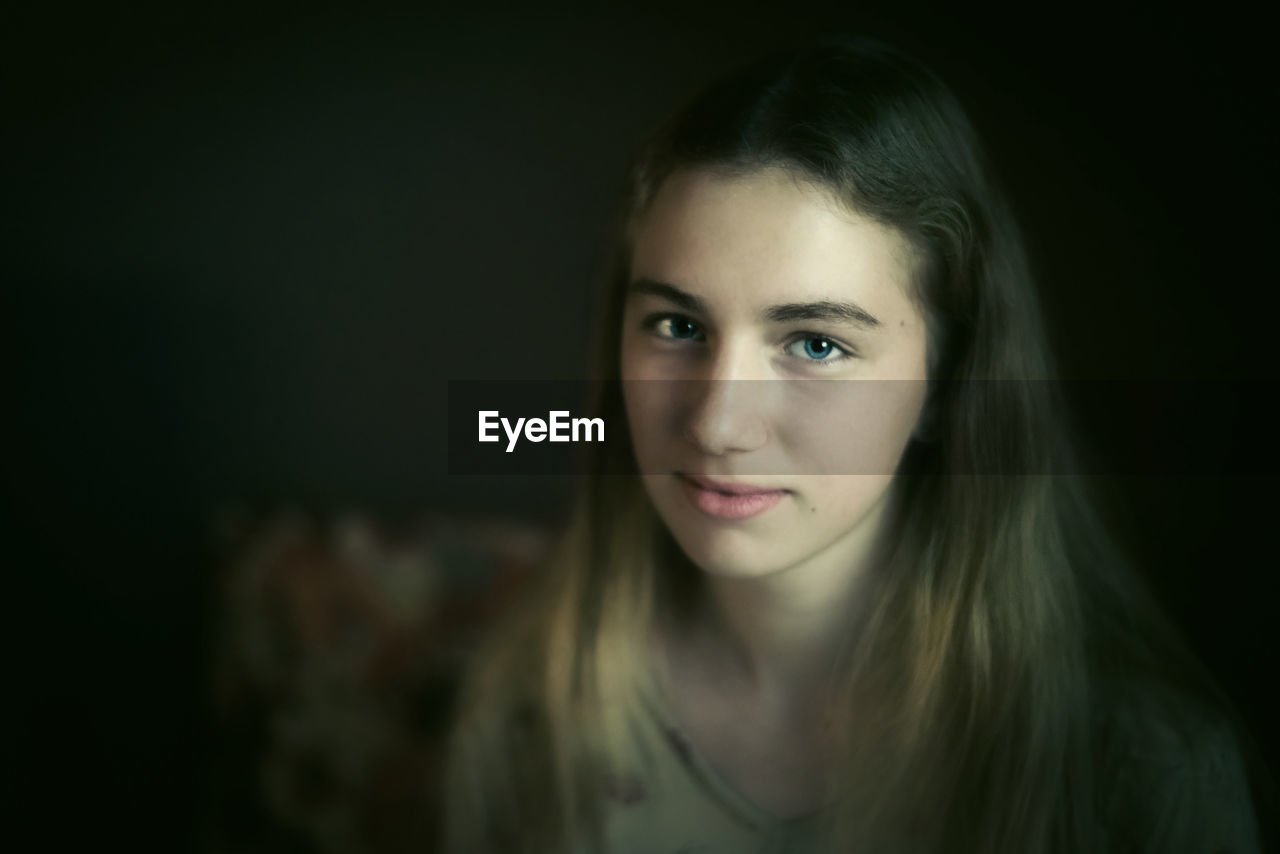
point(728, 500)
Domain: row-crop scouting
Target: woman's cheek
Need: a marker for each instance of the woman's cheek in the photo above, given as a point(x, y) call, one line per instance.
point(854, 427)
point(648, 418)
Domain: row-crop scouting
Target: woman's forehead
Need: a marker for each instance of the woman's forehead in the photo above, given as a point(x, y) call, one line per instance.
point(764, 236)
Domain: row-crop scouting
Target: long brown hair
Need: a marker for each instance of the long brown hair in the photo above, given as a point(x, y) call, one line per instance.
point(1003, 610)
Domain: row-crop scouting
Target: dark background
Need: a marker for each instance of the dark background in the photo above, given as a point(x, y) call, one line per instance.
point(247, 245)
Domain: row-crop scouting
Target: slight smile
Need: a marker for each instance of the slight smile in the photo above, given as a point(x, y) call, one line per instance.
point(728, 499)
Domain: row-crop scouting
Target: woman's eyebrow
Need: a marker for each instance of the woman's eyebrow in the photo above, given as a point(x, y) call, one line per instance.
point(826, 310)
point(671, 293)
point(823, 310)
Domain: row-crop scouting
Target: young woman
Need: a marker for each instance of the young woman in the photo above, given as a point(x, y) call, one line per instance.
point(846, 599)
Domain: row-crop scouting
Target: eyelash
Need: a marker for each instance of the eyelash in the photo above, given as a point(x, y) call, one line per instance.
point(844, 352)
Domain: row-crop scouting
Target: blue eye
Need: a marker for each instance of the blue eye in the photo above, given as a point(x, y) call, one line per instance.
point(682, 328)
point(818, 349)
point(674, 326)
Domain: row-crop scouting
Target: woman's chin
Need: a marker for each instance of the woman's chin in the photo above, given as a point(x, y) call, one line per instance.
point(729, 554)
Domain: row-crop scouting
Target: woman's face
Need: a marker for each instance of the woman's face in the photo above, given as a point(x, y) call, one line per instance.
point(773, 366)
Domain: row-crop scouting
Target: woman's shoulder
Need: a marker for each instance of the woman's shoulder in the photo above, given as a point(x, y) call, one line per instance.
point(1172, 773)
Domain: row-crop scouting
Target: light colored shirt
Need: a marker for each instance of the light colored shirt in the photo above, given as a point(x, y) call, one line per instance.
point(1157, 793)
point(670, 801)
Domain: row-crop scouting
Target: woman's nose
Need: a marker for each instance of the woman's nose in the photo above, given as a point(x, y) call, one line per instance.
point(727, 405)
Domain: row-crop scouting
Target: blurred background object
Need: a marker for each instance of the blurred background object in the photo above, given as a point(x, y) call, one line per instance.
point(337, 647)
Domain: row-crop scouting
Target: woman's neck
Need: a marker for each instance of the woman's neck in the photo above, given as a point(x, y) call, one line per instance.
point(781, 634)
